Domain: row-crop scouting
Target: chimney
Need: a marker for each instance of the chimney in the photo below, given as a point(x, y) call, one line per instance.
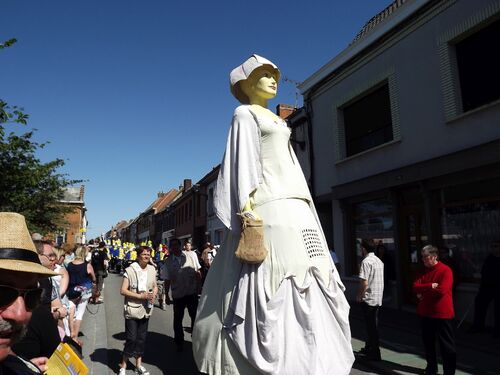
point(187, 184)
point(284, 110)
point(160, 194)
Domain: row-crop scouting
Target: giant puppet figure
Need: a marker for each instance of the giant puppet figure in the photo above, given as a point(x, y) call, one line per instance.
point(288, 314)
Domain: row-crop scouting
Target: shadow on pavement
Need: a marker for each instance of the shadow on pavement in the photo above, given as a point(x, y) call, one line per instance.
point(387, 367)
point(108, 357)
point(161, 352)
point(120, 336)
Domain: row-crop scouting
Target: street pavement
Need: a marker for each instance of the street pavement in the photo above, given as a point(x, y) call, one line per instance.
point(103, 337)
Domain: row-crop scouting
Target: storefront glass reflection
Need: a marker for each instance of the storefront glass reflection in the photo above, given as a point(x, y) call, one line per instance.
point(373, 221)
point(467, 230)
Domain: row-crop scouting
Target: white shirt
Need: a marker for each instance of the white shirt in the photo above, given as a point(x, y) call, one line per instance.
point(142, 277)
point(372, 270)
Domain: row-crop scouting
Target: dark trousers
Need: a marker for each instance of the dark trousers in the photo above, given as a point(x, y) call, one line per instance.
point(482, 302)
point(442, 330)
point(371, 320)
point(135, 332)
point(191, 302)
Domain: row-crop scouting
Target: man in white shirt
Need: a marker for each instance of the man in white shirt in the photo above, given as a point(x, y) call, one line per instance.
point(371, 290)
point(182, 276)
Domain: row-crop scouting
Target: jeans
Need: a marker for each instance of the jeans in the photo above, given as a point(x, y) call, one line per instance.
point(371, 319)
point(135, 332)
point(191, 302)
point(442, 330)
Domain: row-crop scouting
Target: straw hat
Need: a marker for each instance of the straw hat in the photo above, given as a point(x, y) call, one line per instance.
point(17, 250)
point(243, 71)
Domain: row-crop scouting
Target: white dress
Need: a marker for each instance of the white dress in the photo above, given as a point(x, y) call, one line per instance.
point(289, 314)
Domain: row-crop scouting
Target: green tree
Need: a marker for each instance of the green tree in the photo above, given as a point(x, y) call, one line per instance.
point(27, 185)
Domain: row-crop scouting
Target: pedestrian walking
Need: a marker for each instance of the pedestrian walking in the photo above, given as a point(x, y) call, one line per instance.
point(139, 289)
point(433, 288)
point(81, 282)
point(370, 293)
point(182, 276)
point(99, 261)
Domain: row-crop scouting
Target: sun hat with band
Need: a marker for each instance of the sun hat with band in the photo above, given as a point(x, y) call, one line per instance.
point(17, 250)
point(243, 71)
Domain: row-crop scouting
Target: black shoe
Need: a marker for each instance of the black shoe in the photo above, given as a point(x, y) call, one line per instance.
point(374, 357)
point(364, 351)
point(430, 372)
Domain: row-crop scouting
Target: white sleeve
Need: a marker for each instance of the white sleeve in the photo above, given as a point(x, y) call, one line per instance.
point(364, 271)
point(241, 168)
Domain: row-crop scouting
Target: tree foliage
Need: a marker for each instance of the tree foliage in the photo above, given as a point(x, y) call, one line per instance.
point(27, 185)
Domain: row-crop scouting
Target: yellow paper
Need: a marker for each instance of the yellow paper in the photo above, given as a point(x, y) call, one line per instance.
point(64, 361)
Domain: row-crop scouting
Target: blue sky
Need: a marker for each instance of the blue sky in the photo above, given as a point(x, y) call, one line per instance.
point(134, 95)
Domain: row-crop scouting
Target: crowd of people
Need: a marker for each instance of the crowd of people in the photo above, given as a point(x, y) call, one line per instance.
point(45, 291)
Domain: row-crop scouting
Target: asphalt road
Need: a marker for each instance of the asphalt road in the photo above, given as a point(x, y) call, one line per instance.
point(161, 356)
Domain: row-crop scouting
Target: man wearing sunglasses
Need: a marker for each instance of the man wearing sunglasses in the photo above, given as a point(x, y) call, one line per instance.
point(42, 335)
point(20, 271)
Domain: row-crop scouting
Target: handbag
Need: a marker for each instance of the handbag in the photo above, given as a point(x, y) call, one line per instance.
point(251, 248)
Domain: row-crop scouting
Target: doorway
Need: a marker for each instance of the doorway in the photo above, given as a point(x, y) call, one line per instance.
point(413, 236)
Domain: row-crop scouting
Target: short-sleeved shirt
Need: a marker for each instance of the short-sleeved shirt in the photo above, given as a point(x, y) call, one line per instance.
point(182, 271)
point(372, 270)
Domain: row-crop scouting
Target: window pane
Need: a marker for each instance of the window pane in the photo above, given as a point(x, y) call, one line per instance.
point(373, 221)
point(368, 121)
point(467, 231)
point(478, 66)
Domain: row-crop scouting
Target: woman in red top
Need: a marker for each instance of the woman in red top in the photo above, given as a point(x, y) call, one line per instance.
point(433, 288)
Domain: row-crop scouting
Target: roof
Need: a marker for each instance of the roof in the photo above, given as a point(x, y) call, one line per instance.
point(379, 25)
point(210, 176)
point(378, 19)
point(166, 199)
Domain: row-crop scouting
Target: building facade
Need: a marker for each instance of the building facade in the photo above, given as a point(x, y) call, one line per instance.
point(404, 136)
point(76, 220)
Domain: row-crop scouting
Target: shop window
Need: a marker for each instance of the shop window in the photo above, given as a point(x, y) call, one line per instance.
point(469, 225)
point(368, 121)
point(373, 221)
point(478, 61)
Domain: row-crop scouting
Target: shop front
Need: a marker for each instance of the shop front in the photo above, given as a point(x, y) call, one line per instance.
point(459, 213)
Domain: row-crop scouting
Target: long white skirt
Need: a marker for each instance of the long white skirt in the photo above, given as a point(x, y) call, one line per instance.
point(287, 315)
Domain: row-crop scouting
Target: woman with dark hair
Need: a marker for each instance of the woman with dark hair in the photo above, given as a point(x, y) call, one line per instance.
point(139, 289)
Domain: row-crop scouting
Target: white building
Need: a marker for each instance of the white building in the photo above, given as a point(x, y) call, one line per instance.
point(404, 125)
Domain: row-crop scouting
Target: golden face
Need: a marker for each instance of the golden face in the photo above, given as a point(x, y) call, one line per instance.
point(266, 84)
point(262, 83)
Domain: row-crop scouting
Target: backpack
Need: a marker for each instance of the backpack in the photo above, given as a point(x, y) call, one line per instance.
point(96, 259)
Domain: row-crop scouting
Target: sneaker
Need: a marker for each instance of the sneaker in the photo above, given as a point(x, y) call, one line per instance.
point(141, 370)
point(122, 371)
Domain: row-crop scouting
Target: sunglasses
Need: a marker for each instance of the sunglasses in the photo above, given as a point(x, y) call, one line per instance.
point(9, 294)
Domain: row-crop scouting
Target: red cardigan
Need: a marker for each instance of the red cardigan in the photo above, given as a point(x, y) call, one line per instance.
point(435, 303)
